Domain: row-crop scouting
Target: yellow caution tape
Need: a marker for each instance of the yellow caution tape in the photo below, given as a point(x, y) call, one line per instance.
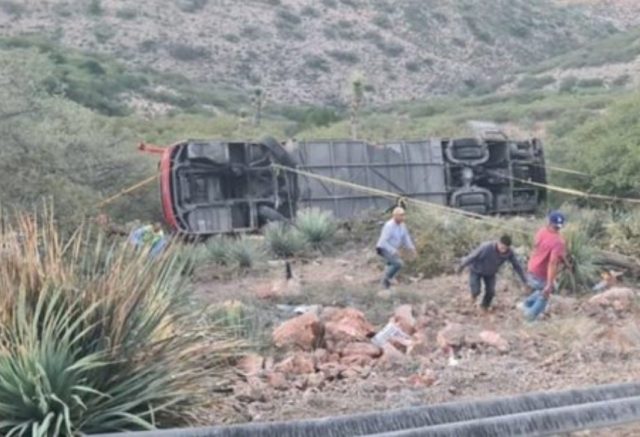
point(126, 191)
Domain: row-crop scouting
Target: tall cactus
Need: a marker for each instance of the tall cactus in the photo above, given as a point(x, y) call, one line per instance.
point(357, 97)
point(258, 100)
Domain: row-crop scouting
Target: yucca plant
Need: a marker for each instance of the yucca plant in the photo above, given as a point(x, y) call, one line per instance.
point(219, 248)
point(583, 272)
point(245, 252)
point(317, 226)
point(97, 337)
point(283, 240)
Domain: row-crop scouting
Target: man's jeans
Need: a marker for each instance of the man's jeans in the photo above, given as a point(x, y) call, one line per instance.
point(475, 283)
point(536, 303)
point(394, 264)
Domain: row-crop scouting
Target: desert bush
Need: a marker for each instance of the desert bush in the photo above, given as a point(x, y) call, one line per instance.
point(581, 252)
point(245, 252)
point(568, 84)
point(344, 57)
point(594, 82)
point(535, 82)
point(186, 52)
point(95, 7)
point(621, 80)
point(127, 13)
point(191, 6)
point(219, 248)
point(12, 7)
point(623, 233)
point(283, 240)
point(97, 337)
point(317, 226)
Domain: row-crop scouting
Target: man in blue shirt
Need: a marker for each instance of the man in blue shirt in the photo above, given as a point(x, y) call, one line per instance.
point(394, 236)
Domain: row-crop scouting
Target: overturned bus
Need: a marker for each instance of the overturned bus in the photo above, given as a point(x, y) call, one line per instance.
point(213, 187)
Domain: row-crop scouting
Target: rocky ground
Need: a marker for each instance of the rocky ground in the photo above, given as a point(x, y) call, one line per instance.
point(319, 359)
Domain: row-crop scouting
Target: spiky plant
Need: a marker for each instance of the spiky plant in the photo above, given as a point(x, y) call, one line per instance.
point(245, 253)
point(317, 226)
point(97, 337)
point(583, 271)
point(219, 250)
point(284, 241)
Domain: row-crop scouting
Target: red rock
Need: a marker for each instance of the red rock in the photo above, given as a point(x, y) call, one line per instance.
point(620, 298)
point(420, 344)
point(304, 332)
point(361, 348)
point(251, 364)
point(278, 381)
point(356, 360)
point(356, 372)
point(346, 325)
point(403, 317)
point(422, 322)
point(297, 364)
point(332, 370)
point(495, 340)
point(453, 335)
point(321, 355)
point(316, 379)
point(392, 357)
point(425, 378)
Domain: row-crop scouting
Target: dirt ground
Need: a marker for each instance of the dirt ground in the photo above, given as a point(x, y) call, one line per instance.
point(572, 346)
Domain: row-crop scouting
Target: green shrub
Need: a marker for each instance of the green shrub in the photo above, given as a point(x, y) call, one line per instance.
point(568, 84)
point(97, 338)
point(127, 13)
point(317, 226)
point(95, 7)
point(187, 52)
point(219, 249)
point(590, 83)
point(12, 7)
point(621, 80)
point(245, 252)
point(344, 57)
point(535, 82)
point(283, 240)
point(191, 6)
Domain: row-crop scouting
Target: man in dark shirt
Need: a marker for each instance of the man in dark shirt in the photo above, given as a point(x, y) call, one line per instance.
point(484, 263)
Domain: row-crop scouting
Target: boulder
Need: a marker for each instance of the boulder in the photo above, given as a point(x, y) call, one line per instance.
point(403, 317)
point(303, 332)
point(618, 298)
point(299, 363)
point(356, 360)
point(453, 335)
point(493, 339)
point(361, 348)
point(278, 381)
point(392, 357)
point(346, 325)
point(251, 364)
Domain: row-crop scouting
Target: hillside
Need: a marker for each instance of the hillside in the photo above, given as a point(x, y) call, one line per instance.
point(306, 51)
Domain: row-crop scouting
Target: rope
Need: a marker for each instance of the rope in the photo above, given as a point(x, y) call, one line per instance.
point(571, 191)
point(563, 170)
point(126, 191)
point(393, 196)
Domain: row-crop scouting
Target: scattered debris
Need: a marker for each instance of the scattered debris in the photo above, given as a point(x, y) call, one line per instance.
point(619, 298)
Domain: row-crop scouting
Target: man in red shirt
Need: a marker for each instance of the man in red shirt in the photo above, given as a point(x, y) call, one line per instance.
point(549, 253)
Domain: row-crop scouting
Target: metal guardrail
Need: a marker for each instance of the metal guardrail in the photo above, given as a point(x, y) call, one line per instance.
point(534, 414)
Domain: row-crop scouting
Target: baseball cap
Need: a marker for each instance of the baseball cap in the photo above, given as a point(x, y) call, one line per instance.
point(557, 219)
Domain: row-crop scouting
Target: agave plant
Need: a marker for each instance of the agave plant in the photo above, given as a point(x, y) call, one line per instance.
point(97, 337)
point(245, 252)
point(582, 272)
point(284, 241)
point(219, 248)
point(317, 226)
